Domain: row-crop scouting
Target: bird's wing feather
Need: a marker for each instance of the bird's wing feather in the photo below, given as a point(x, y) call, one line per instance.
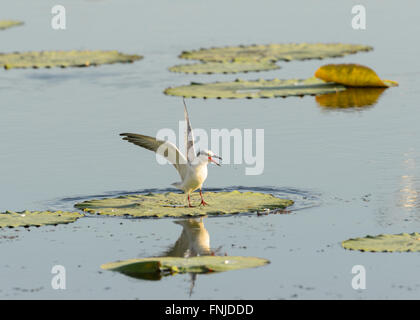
point(164, 148)
point(189, 137)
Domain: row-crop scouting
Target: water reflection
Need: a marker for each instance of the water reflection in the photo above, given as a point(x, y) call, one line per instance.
point(410, 184)
point(350, 98)
point(404, 206)
point(409, 194)
point(193, 241)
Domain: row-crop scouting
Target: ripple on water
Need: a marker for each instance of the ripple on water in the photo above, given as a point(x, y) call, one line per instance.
point(303, 199)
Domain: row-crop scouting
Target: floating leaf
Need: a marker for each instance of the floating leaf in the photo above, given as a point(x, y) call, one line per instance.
point(5, 24)
point(261, 57)
point(48, 59)
point(155, 268)
point(353, 75)
point(275, 52)
point(385, 243)
point(255, 89)
point(224, 67)
point(351, 97)
point(36, 218)
point(174, 204)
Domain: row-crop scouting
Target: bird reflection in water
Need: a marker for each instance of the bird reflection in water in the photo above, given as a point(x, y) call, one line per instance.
point(193, 241)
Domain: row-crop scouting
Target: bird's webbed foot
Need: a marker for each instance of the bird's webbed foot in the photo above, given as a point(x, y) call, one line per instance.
point(203, 203)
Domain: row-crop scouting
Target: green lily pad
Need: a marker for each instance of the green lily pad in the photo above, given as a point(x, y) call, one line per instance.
point(155, 268)
point(175, 204)
point(286, 52)
point(261, 57)
point(36, 218)
point(255, 89)
point(403, 242)
point(49, 59)
point(224, 67)
point(5, 24)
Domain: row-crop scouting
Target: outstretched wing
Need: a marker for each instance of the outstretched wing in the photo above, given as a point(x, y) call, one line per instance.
point(164, 148)
point(189, 137)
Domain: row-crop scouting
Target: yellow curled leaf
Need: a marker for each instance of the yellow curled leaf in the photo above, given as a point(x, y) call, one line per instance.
point(353, 75)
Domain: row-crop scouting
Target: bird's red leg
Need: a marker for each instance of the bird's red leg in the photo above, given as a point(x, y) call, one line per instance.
point(202, 199)
point(189, 202)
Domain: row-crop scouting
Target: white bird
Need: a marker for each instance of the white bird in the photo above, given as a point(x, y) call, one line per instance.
point(192, 167)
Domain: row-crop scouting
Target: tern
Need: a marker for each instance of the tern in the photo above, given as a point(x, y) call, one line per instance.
point(191, 167)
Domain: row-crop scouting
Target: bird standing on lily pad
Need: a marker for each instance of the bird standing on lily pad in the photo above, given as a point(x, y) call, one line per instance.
point(191, 167)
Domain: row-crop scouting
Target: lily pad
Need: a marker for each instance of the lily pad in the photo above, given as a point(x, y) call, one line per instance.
point(155, 268)
point(49, 59)
point(174, 204)
point(353, 75)
point(261, 57)
point(286, 52)
point(36, 218)
point(255, 89)
point(224, 67)
point(404, 242)
point(5, 24)
point(351, 97)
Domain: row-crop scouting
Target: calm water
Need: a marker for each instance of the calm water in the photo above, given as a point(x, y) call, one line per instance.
point(352, 172)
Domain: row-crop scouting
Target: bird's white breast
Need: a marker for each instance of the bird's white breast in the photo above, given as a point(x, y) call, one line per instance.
point(195, 177)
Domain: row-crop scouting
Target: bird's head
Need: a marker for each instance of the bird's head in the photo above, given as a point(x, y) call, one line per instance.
point(209, 156)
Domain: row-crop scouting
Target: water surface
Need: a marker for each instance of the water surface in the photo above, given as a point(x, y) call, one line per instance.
point(59, 144)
